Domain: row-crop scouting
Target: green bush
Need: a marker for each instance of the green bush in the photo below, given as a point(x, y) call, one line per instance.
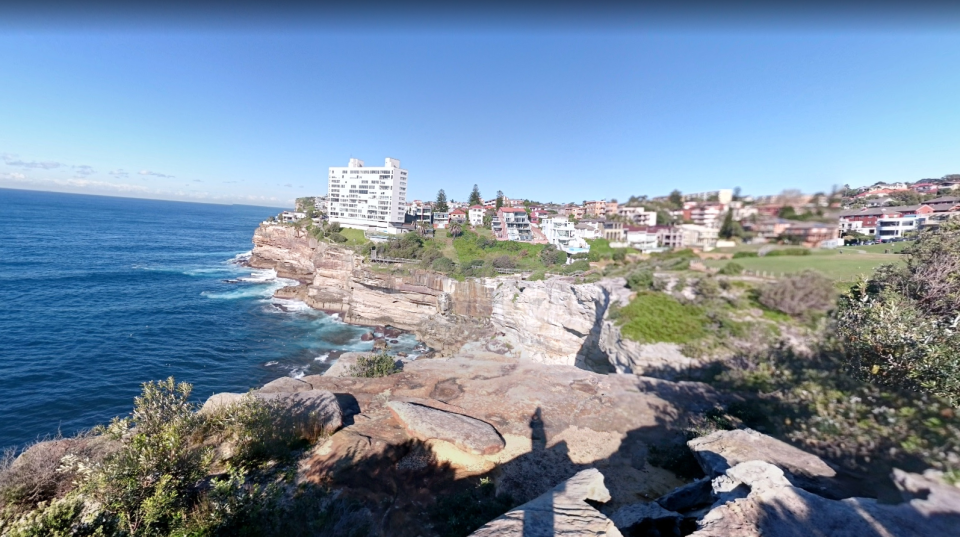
point(640, 279)
point(335, 236)
point(800, 294)
point(654, 317)
point(504, 262)
point(378, 365)
point(740, 255)
point(443, 264)
point(707, 288)
point(902, 327)
point(334, 227)
point(787, 251)
point(731, 269)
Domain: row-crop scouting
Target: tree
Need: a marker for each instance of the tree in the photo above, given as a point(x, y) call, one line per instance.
point(730, 228)
point(676, 199)
point(499, 199)
point(441, 205)
point(736, 194)
point(423, 228)
point(901, 328)
point(475, 198)
point(455, 229)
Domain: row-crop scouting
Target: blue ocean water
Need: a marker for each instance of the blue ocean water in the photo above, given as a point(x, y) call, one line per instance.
point(99, 294)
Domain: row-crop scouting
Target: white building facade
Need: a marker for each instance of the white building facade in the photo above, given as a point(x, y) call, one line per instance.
point(368, 198)
point(562, 233)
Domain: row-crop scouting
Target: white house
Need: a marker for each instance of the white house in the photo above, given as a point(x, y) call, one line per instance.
point(640, 238)
point(475, 214)
point(562, 233)
point(638, 215)
point(368, 198)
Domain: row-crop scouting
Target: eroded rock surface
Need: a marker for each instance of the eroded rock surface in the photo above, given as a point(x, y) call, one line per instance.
point(561, 511)
point(466, 433)
point(776, 508)
point(722, 450)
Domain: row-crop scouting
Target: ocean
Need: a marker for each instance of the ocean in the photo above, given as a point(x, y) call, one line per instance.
point(100, 294)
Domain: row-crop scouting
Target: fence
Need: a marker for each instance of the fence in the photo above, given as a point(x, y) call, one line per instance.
point(375, 257)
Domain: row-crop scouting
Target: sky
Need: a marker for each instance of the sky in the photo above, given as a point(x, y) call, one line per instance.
point(253, 106)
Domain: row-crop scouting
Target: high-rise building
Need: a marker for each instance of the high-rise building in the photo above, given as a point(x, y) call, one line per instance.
point(368, 198)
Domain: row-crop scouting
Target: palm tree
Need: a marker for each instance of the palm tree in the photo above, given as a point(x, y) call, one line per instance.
point(455, 229)
point(422, 227)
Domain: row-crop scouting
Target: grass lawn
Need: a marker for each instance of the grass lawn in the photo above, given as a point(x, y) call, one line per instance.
point(446, 242)
point(844, 267)
point(354, 236)
point(654, 317)
point(894, 247)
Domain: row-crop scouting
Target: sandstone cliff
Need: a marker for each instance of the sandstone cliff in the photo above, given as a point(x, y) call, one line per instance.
point(553, 321)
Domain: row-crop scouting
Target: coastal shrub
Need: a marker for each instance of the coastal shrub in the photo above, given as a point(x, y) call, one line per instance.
point(378, 365)
point(335, 236)
point(550, 255)
point(813, 401)
point(148, 484)
point(577, 266)
point(443, 264)
point(619, 255)
point(334, 227)
point(656, 317)
point(537, 275)
point(504, 262)
point(731, 269)
point(799, 294)
point(707, 288)
point(640, 279)
point(741, 255)
point(902, 327)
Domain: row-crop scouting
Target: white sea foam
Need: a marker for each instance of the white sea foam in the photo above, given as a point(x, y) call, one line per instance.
point(322, 358)
point(271, 363)
point(261, 276)
point(298, 372)
point(241, 258)
point(290, 305)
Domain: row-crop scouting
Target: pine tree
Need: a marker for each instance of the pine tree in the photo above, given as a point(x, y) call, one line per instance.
point(730, 228)
point(499, 199)
point(475, 198)
point(441, 205)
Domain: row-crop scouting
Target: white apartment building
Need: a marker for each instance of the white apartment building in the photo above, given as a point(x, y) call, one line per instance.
point(368, 198)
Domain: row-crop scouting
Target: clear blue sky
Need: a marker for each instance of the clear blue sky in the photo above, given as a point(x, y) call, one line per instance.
point(563, 112)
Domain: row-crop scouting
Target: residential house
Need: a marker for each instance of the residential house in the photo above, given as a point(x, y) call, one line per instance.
point(572, 210)
point(641, 238)
point(561, 233)
point(611, 208)
point(459, 216)
point(475, 214)
point(708, 214)
point(440, 220)
point(595, 208)
point(589, 229)
point(638, 215)
point(811, 234)
point(512, 223)
point(697, 236)
point(864, 221)
point(668, 236)
point(288, 217)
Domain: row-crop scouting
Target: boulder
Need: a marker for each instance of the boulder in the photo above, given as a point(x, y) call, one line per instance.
point(468, 434)
point(719, 451)
point(561, 511)
point(645, 518)
point(775, 508)
point(285, 385)
point(220, 400)
point(341, 367)
point(320, 404)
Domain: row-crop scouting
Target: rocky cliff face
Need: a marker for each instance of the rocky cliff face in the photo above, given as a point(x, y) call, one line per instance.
point(553, 321)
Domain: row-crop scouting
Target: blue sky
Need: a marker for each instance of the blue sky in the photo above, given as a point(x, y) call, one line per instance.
point(561, 113)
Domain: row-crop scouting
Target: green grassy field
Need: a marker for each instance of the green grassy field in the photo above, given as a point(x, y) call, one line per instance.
point(843, 267)
point(354, 236)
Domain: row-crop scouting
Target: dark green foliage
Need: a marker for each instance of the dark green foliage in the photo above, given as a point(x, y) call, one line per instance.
point(730, 228)
point(640, 280)
point(550, 255)
point(378, 365)
point(443, 264)
point(739, 255)
point(334, 227)
point(707, 288)
point(800, 294)
point(460, 514)
point(731, 269)
point(475, 198)
point(335, 236)
point(441, 205)
point(900, 328)
point(787, 251)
